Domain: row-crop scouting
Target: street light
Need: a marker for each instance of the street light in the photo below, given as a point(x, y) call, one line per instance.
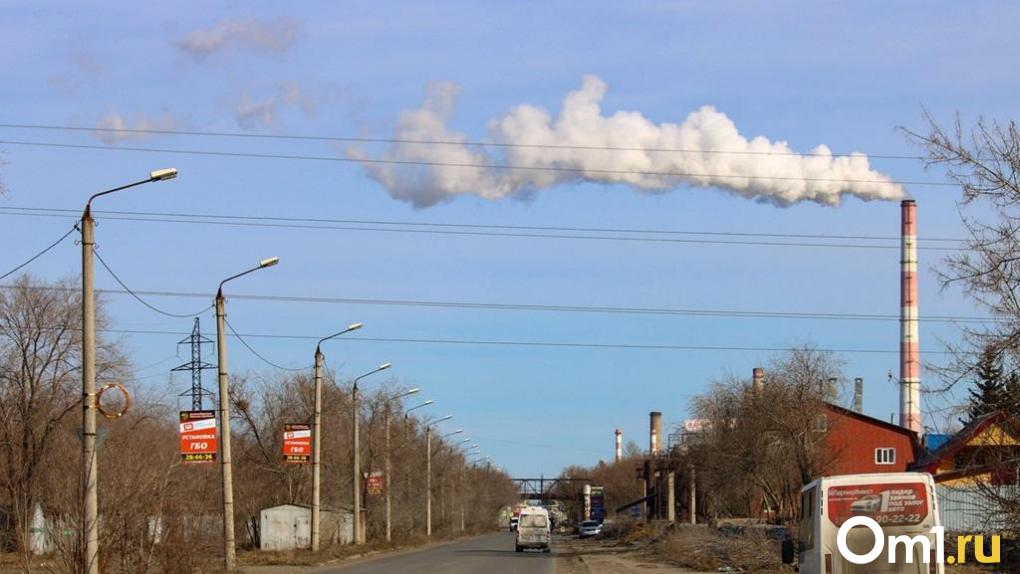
point(317, 434)
point(89, 455)
point(428, 472)
point(388, 466)
point(230, 557)
point(356, 407)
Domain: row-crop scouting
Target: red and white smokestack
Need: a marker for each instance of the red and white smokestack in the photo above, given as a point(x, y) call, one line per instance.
point(758, 379)
point(910, 356)
point(655, 433)
point(619, 445)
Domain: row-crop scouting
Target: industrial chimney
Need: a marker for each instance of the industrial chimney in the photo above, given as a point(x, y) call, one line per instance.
point(619, 445)
point(655, 433)
point(758, 379)
point(858, 395)
point(910, 359)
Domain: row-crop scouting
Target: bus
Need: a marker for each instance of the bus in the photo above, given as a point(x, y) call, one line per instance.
point(903, 505)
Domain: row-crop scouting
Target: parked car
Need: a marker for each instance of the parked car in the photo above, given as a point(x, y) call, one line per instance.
point(513, 523)
point(533, 530)
point(589, 528)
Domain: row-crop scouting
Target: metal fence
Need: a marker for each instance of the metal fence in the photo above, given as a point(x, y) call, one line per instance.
point(973, 509)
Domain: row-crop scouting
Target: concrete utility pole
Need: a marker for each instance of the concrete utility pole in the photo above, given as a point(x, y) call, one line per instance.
point(320, 359)
point(407, 434)
point(428, 473)
point(89, 455)
point(229, 554)
point(428, 481)
point(389, 465)
point(359, 535)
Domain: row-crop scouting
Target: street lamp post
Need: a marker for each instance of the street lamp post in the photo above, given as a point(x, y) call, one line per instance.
point(229, 555)
point(407, 469)
point(356, 407)
point(317, 434)
point(388, 466)
point(89, 457)
point(428, 473)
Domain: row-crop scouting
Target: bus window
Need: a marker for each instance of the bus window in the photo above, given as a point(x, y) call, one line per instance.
point(806, 530)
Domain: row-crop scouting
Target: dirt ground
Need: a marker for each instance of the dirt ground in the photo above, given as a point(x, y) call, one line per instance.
point(608, 557)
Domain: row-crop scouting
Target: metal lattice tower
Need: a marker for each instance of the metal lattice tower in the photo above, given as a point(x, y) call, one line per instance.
point(196, 366)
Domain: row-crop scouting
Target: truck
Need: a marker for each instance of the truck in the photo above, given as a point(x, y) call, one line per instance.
point(894, 513)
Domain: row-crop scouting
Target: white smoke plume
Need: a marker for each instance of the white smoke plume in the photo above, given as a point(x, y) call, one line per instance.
point(643, 155)
point(113, 128)
point(276, 36)
point(253, 113)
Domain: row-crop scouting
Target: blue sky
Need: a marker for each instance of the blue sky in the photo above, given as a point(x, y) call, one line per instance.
point(843, 75)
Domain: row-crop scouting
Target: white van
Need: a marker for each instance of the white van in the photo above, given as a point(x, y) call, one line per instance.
point(533, 529)
point(902, 504)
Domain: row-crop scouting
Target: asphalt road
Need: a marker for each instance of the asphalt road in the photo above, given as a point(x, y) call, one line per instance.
point(492, 554)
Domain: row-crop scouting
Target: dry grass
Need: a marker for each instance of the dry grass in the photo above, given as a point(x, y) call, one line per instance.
point(705, 549)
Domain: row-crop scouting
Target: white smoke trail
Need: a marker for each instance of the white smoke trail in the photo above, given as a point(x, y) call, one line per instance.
point(761, 169)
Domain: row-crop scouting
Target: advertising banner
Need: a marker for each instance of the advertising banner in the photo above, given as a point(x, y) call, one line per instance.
point(598, 503)
point(297, 443)
point(887, 504)
point(198, 437)
point(375, 482)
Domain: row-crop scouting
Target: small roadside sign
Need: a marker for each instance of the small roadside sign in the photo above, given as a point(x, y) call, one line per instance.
point(297, 443)
point(198, 437)
point(376, 484)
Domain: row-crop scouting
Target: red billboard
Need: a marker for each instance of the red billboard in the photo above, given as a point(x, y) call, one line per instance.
point(900, 504)
point(375, 483)
point(198, 437)
point(297, 443)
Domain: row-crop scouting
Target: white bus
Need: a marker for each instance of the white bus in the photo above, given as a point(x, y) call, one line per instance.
point(902, 504)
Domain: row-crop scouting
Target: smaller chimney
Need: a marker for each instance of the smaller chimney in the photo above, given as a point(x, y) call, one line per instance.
point(619, 445)
point(859, 395)
point(758, 379)
point(655, 433)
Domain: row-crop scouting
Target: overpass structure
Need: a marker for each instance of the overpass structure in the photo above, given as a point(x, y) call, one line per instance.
point(546, 488)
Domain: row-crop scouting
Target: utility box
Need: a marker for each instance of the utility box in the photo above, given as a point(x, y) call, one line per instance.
point(289, 527)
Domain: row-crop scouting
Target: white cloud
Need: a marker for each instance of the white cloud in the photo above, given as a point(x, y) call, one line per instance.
point(113, 128)
point(276, 36)
point(264, 112)
point(564, 149)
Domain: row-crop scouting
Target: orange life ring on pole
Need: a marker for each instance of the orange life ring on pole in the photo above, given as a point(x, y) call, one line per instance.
point(113, 414)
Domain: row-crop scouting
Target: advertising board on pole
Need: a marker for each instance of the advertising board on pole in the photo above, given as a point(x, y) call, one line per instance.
point(198, 437)
point(297, 443)
point(375, 482)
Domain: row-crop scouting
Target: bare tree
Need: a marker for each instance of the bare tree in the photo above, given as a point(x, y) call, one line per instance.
point(40, 343)
point(985, 161)
point(758, 447)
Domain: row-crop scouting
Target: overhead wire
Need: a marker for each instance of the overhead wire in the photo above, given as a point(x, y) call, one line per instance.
point(39, 254)
point(143, 301)
point(583, 229)
point(660, 240)
point(259, 355)
point(418, 141)
point(658, 311)
point(509, 167)
point(511, 343)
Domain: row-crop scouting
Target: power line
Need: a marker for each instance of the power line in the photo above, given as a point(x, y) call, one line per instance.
point(40, 254)
point(473, 143)
point(510, 343)
point(259, 355)
point(656, 311)
point(143, 301)
point(660, 240)
point(545, 168)
point(482, 225)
